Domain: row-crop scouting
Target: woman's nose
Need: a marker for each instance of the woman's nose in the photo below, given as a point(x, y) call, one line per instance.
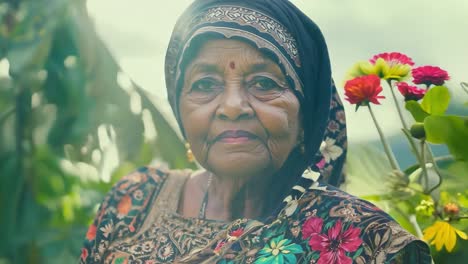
point(234, 104)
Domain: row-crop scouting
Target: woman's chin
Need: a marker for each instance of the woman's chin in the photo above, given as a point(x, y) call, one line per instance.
point(239, 165)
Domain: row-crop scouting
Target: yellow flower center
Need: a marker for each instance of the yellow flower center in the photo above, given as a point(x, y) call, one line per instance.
point(275, 252)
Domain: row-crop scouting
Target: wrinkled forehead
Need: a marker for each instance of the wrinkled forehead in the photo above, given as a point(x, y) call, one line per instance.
point(223, 56)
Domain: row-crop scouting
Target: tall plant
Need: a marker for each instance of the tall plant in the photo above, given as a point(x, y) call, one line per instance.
point(70, 126)
point(418, 192)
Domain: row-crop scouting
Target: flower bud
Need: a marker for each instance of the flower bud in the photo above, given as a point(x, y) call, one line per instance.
point(451, 209)
point(417, 131)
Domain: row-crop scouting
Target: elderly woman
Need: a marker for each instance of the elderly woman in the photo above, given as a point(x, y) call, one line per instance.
point(250, 85)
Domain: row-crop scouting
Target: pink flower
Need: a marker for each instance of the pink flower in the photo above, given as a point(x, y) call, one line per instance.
point(333, 245)
point(321, 164)
point(410, 92)
point(429, 75)
point(393, 58)
point(364, 89)
point(312, 226)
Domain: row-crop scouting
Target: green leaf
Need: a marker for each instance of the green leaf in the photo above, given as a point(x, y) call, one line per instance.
point(30, 39)
point(460, 170)
point(449, 130)
point(416, 111)
point(366, 169)
point(436, 100)
point(358, 252)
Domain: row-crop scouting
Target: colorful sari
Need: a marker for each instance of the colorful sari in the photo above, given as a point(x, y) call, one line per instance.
point(138, 223)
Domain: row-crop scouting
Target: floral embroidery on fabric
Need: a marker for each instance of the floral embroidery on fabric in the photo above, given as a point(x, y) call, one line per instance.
point(329, 150)
point(279, 250)
point(327, 226)
point(335, 243)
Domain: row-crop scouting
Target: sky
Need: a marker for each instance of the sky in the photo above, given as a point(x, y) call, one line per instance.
point(431, 32)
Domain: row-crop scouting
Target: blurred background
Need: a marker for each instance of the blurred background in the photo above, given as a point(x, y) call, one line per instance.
point(83, 102)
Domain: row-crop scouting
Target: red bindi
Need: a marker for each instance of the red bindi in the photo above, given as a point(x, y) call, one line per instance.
point(232, 65)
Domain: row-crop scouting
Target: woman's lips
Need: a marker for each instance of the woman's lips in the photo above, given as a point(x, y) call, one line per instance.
point(235, 136)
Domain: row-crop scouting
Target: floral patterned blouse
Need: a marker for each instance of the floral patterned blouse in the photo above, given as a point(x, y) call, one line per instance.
point(138, 223)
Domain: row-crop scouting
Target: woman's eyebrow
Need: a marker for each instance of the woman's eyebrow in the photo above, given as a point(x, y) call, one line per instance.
point(202, 67)
point(256, 67)
point(210, 67)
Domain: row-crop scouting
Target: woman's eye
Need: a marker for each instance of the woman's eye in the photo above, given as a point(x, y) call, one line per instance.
point(204, 85)
point(265, 89)
point(264, 83)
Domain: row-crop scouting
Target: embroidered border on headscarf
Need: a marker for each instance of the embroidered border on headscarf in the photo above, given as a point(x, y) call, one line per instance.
point(259, 41)
point(253, 18)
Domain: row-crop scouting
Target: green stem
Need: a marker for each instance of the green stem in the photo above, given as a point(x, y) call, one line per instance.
point(436, 168)
point(403, 122)
point(444, 158)
point(423, 166)
point(400, 114)
point(414, 222)
point(418, 157)
point(387, 148)
point(464, 85)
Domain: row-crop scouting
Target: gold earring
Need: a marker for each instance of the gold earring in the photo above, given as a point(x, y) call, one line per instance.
point(189, 153)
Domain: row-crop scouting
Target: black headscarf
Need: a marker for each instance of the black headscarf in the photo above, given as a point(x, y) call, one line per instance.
point(288, 36)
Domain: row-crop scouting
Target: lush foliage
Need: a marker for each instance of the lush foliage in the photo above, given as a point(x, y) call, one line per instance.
point(434, 211)
point(67, 116)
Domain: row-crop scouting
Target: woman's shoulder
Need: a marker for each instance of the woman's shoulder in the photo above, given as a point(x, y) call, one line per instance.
point(126, 207)
point(379, 236)
point(134, 192)
point(143, 181)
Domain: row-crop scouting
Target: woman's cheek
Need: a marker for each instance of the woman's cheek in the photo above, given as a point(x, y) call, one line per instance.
point(196, 122)
point(280, 117)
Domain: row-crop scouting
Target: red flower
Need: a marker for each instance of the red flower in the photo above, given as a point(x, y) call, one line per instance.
point(333, 245)
point(84, 254)
point(410, 92)
point(364, 89)
point(91, 234)
point(429, 75)
point(237, 232)
point(219, 246)
point(125, 205)
point(393, 58)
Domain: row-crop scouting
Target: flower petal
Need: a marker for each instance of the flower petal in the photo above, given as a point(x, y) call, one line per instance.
point(451, 239)
point(319, 242)
point(350, 239)
point(439, 239)
point(461, 234)
point(294, 248)
point(335, 231)
point(335, 257)
point(430, 232)
point(311, 226)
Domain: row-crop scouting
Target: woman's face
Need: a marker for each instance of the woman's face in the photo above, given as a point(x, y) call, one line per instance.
point(238, 113)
